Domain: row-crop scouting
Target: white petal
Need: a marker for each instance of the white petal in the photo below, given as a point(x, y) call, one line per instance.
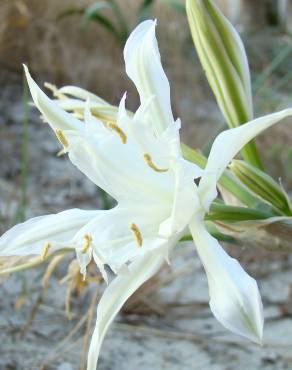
point(83, 94)
point(118, 168)
point(116, 295)
point(143, 66)
point(227, 145)
point(54, 115)
point(28, 238)
point(84, 258)
point(234, 297)
point(113, 242)
point(163, 147)
point(185, 200)
point(79, 105)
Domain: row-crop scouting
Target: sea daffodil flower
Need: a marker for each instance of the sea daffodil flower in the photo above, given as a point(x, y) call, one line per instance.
point(138, 161)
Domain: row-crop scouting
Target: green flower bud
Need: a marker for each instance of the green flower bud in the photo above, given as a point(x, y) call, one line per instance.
point(224, 60)
point(262, 185)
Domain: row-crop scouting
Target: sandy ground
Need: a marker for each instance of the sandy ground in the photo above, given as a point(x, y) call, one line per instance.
point(174, 329)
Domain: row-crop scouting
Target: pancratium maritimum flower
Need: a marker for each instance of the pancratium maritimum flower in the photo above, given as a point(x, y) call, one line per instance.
point(138, 161)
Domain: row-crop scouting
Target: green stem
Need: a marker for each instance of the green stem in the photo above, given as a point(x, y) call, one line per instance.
point(21, 209)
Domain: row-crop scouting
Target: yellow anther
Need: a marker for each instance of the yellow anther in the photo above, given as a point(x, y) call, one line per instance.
point(118, 130)
point(86, 244)
point(61, 137)
point(78, 115)
point(45, 250)
point(137, 234)
point(61, 152)
point(148, 160)
point(55, 91)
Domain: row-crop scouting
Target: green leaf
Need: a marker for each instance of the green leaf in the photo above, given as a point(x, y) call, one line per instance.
point(144, 10)
point(176, 5)
point(222, 212)
point(94, 8)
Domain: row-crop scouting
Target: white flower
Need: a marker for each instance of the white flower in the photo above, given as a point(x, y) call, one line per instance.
point(138, 161)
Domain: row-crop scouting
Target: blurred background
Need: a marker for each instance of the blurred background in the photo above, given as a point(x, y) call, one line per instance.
point(80, 42)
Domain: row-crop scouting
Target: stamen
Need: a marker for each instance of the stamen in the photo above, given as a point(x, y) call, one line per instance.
point(61, 152)
point(118, 130)
point(78, 115)
point(137, 234)
point(86, 244)
point(61, 137)
point(54, 90)
point(148, 160)
point(45, 250)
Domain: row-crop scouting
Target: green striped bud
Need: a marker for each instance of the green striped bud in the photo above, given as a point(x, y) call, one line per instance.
point(225, 63)
point(262, 185)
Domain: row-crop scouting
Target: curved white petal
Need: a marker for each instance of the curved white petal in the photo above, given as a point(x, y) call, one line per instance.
point(185, 200)
point(165, 147)
point(79, 93)
point(227, 145)
point(114, 243)
point(29, 237)
point(118, 168)
point(234, 296)
point(79, 106)
point(54, 115)
point(116, 295)
point(143, 66)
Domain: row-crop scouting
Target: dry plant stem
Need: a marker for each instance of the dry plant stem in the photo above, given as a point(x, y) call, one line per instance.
point(34, 262)
point(90, 316)
point(31, 316)
point(56, 353)
point(273, 234)
point(50, 269)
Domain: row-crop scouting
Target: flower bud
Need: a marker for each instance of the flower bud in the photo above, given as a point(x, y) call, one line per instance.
point(262, 185)
point(224, 60)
